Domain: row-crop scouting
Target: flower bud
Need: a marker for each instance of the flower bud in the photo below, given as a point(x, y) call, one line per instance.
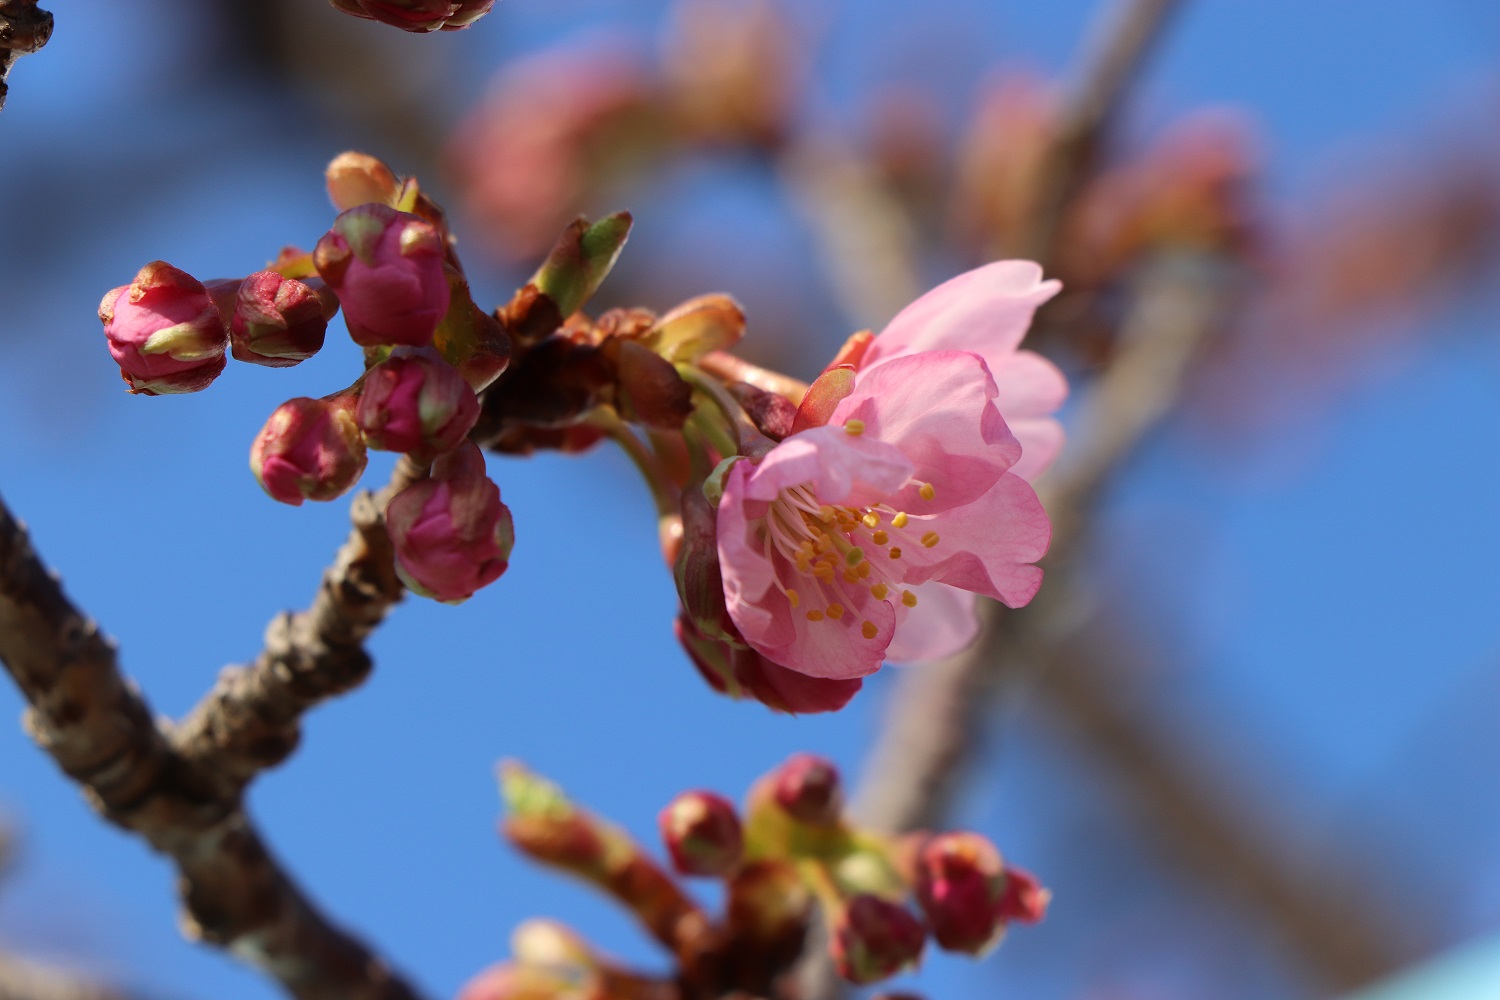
point(580, 261)
point(356, 179)
point(551, 945)
point(387, 269)
point(1024, 898)
point(310, 449)
point(415, 402)
point(875, 939)
point(512, 981)
point(808, 788)
point(959, 884)
point(702, 833)
point(279, 322)
point(164, 331)
point(419, 15)
point(451, 532)
point(744, 673)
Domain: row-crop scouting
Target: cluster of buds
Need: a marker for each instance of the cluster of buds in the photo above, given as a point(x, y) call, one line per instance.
point(388, 261)
point(418, 15)
point(793, 851)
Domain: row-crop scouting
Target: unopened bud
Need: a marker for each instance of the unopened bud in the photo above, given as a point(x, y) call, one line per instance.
point(808, 788)
point(310, 449)
point(164, 331)
point(874, 939)
point(551, 945)
point(387, 269)
point(415, 402)
point(419, 15)
point(512, 981)
point(702, 834)
point(356, 179)
point(278, 322)
point(744, 673)
point(451, 532)
point(959, 883)
point(1024, 898)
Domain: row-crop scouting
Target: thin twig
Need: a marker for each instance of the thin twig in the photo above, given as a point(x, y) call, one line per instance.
point(100, 731)
point(1115, 54)
point(251, 720)
point(24, 28)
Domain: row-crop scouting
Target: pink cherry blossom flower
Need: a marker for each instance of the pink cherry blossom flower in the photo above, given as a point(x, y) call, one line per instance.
point(987, 311)
point(868, 537)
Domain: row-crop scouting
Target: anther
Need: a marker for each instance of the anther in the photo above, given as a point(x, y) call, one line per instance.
point(908, 598)
point(930, 539)
point(871, 519)
point(793, 596)
point(851, 575)
point(881, 537)
point(836, 611)
point(854, 427)
point(879, 591)
point(868, 630)
point(815, 615)
point(927, 491)
point(863, 570)
point(899, 521)
point(895, 552)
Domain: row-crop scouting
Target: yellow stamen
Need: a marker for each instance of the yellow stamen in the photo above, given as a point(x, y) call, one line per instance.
point(823, 572)
point(927, 491)
point(879, 591)
point(851, 575)
point(825, 513)
point(895, 552)
point(899, 521)
point(835, 611)
point(854, 427)
point(908, 598)
point(863, 571)
point(930, 539)
point(815, 615)
point(793, 596)
point(880, 537)
point(868, 630)
point(871, 519)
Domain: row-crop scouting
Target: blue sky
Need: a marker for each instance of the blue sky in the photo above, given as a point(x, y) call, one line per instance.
point(1327, 597)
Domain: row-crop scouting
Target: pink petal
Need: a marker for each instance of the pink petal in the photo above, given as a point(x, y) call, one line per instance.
point(986, 310)
point(1028, 385)
point(937, 408)
point(943, 623)
point(749, 576)
point(1041, 439)
point(836, 648)
point(987, 547)
point(842, 468)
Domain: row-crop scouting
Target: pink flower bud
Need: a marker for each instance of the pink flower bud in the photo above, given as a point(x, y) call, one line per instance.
point(513, 981)
point(164, 331)
point(808, 788)
point(279, 322)
point(387, 269)
point(1024, 898)
point(310, 449)
point(702, 833)
point(415, 402)
point(875, 939)
point(419, 15)
point(959, 884)
point(452, 534)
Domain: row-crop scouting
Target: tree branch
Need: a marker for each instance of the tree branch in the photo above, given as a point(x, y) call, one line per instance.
point(24, 28)
point(100, 731)
point(251, 720)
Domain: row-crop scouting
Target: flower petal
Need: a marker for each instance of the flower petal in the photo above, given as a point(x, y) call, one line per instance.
point(986, 310)
point(842, 468)
point(987, 546)
point(1041, 439)
point(1028, 385)
point(943, 623)
point(937, 408)
point(749, 576)
point(832, 647)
